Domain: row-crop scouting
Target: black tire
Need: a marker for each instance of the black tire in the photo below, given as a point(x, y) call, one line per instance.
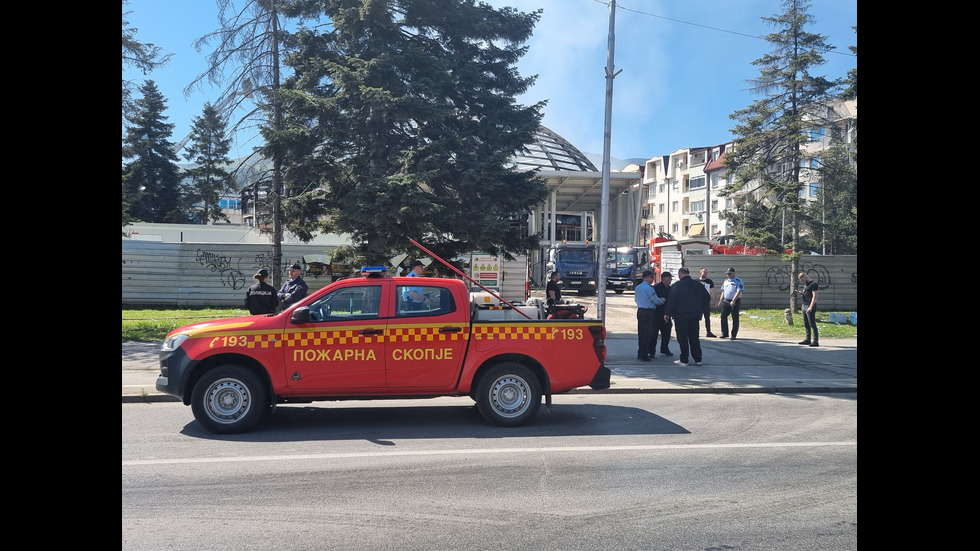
point(228, 400)
point(619, 291)
point(508, 395)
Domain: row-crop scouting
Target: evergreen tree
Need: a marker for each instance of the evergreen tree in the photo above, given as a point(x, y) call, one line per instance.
point(851, 81)
point(208, 150)
point(143, 56)
point(250, 45)
point(400, 122)
point(772, 131)
point(833, 216)
point(151, 180)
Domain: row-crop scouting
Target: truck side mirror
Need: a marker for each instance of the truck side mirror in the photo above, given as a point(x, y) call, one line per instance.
point(301, 315)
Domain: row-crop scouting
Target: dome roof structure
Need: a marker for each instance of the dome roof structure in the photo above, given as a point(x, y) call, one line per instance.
point(551, 152)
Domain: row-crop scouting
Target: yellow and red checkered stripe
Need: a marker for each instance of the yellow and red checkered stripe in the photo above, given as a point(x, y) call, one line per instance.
point(397, 334)
point(512, 332)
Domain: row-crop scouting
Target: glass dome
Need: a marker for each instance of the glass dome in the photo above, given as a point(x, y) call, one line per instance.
point(552, 152)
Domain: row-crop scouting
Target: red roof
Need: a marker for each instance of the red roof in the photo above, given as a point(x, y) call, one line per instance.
point(716, 165)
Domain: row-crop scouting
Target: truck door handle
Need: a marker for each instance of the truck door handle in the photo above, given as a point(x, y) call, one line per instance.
point(450, 329)
point(371, 332)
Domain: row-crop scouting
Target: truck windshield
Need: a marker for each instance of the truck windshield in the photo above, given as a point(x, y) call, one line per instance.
point(575, 256)
point(621, 260)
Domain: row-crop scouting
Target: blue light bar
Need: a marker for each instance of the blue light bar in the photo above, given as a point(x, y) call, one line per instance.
point(374, 270)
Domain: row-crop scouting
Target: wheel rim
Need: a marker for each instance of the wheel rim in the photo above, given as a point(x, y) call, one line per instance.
point(510, 396)
point(227, 401)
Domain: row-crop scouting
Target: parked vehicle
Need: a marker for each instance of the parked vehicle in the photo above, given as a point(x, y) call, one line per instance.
point(358, 338)
point(578, 264)
point(624, 267)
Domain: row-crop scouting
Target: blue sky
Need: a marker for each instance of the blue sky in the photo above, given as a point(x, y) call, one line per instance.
point(685, 65)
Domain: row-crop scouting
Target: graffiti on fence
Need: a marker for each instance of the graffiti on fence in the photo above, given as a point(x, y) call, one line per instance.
point(263, 260)
point(780, 277)
point(222, 265)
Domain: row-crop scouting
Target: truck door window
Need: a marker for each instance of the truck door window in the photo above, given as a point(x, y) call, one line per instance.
point(440, 301)
point(349, 303)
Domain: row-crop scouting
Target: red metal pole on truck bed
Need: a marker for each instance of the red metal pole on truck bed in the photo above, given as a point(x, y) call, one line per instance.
point(453, 268)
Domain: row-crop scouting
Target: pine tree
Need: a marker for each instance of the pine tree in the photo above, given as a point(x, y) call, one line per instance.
point(851, 81)
point(143, 56)
point(400, 123)
point(250, 45)
point(772, 131)
point(833, 216)
point(208, 149)
point(151, 180)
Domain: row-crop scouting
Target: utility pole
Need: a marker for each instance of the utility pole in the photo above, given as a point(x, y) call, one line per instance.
point(278, 190)
point(606, 135)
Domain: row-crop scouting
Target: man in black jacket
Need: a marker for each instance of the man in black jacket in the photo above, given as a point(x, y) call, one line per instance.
point(687, 303)
point(661, 325)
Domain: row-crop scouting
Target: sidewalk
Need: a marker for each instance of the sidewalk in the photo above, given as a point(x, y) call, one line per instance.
point(754, 363)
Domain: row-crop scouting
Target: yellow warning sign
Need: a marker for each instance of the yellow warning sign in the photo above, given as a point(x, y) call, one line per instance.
point(485, 268)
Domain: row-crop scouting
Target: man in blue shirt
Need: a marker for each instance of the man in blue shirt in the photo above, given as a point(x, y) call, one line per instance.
point(646, 301)
point(414, 298)
point(730, 302)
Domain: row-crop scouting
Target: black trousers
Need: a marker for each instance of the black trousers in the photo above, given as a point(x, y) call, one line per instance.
point(729, 307)
point(689, 337)
point(645, 333)
point(810, 323)
point(662, 328)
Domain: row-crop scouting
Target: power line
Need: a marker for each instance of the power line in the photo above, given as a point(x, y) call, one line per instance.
point(703, 26)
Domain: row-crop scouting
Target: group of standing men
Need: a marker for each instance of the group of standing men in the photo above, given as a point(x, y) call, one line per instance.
point(683, 305)
point(263, 298)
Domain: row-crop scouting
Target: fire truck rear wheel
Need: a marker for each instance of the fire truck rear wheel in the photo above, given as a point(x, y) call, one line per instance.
point(228, 400)
point(508, 395)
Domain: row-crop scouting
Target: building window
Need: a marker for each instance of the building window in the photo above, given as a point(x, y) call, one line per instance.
point(661, 186)
point(813, 189)
point(714, 229)
point(697, 183)
point(815, 134)
point(697, 206)
point(662, 207)
point(714, 205)
point(673, 229)
point(811, 163)
point(715, 181)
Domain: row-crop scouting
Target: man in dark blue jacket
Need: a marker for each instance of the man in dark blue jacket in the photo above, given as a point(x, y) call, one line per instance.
point(293, 290)
point(687, 303)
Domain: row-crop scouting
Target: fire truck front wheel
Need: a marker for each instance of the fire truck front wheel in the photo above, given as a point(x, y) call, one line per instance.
point(508, 395)
point(228, 400)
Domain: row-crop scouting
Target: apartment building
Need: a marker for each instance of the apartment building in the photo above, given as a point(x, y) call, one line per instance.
point(683, 188)
point(683, 193)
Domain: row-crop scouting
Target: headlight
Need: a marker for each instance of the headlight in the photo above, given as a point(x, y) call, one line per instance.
point(174, 342)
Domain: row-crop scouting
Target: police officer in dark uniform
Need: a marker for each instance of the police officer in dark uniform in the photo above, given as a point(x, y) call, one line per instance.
point(293, 290)
point(261, 298)
point(661, 325)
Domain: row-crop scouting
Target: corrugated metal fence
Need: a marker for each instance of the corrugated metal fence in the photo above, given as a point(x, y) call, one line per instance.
point(217, 274)
point(768, 280)
point(204, 274)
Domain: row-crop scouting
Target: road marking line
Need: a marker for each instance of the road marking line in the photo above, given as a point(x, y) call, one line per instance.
point(575, 449)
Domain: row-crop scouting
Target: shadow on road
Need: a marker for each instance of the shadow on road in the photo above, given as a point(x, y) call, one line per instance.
point(294, 423)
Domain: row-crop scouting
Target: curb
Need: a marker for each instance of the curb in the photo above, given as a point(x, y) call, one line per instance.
point(154, 398)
